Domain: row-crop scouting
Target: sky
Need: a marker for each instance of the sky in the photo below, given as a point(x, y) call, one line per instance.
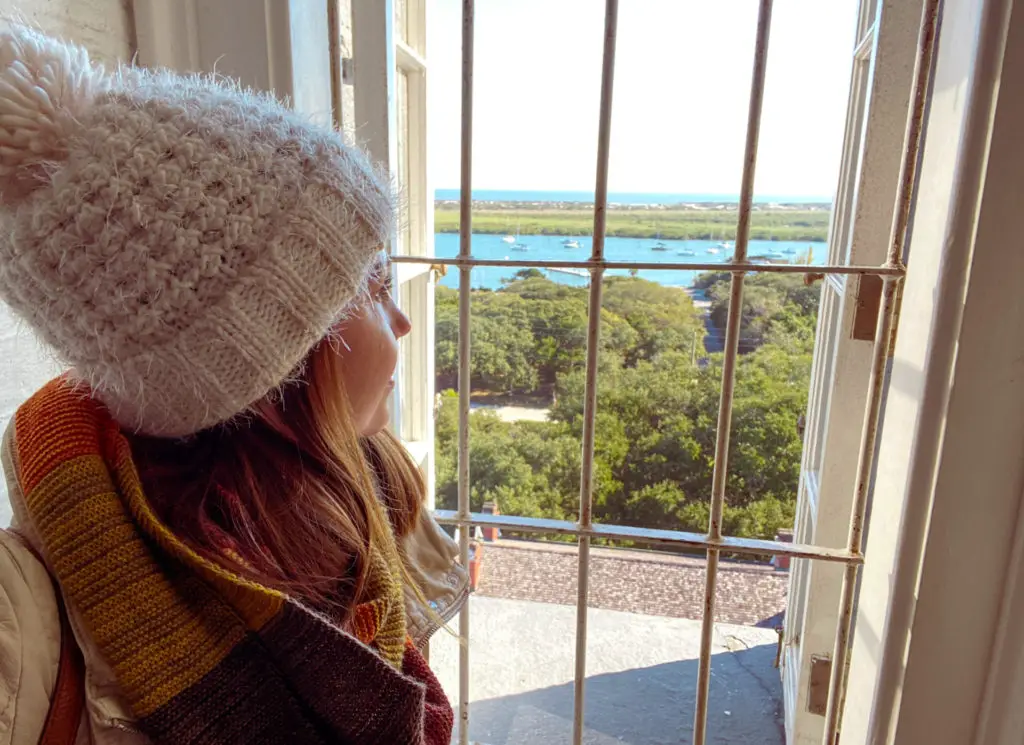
point(681, 94)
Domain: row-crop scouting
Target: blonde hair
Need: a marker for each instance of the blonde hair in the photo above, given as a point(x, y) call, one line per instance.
point(297, 511)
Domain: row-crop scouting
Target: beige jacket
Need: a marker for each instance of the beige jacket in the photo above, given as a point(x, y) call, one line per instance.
point(30, 629)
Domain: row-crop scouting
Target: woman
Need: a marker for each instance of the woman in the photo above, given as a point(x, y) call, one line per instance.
point(235, 536)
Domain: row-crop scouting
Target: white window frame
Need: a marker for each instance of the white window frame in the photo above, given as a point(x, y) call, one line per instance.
point(286, 51)
point(389, 77)
point(883, 70)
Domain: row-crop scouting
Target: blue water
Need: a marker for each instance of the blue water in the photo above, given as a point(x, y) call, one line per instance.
point(550, 248)
point(512, 195)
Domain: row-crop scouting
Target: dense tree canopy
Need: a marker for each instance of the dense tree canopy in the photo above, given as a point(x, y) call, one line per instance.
point(657, 401)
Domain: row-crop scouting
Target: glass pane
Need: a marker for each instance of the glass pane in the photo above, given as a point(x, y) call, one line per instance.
point(817, 414)
point(847, 193)
point(521, 660)
point(777, 336)
point(643, 650)
point(537, 82)
point(528, 332)
point(414, 392)
point(866, 16)
point(404, 136)
point(401, 19)
point(745, 698)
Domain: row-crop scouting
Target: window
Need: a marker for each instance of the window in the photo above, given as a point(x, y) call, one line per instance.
point(848, 371)
point(388, 72)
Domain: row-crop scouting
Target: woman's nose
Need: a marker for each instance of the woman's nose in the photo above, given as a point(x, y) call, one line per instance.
point(400, 323)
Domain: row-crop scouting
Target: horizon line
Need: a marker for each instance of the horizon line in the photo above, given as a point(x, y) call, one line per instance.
point(705, 196)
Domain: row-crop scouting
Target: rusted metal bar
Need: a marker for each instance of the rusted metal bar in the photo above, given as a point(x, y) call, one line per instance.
point(465, 378)
point(651, 537)
point(732, 337)
point(590, 265)
point(611, 15)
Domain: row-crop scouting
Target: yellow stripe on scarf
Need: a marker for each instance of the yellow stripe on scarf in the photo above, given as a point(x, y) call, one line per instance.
point(162, 615)
point(161, 625)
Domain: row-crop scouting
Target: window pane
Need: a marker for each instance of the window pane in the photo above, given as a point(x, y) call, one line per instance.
point(528, 332)
point(401, 19)
point(536, 97)
point(643, 649)
point(404, 175)
point(521, 664)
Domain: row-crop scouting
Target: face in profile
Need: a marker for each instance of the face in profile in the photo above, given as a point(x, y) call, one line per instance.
point(367, 348)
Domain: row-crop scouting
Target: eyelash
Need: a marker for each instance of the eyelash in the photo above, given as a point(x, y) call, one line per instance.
point(385, 289)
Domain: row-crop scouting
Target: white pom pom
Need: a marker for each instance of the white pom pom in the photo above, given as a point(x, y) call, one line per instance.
point(45, 84)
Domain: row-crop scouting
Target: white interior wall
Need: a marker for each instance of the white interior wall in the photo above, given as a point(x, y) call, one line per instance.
point(980, 475)
point(950, 471)
point(105, 28)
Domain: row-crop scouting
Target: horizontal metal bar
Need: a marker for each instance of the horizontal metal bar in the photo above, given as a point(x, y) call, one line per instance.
point(408, 59)
point(663, 538)
point(825, 269)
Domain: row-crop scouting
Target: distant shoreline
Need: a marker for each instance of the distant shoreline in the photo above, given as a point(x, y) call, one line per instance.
point(683, 221)
point(626, 198)
point(571, 205)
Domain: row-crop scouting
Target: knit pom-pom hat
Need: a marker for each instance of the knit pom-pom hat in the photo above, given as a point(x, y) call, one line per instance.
point(180, 242)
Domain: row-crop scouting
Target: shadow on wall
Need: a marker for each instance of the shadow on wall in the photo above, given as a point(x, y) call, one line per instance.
point(646, 706)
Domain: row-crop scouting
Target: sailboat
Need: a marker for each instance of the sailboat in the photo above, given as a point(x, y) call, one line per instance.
point(512, 239)
point(717, 248)
point(660, 245)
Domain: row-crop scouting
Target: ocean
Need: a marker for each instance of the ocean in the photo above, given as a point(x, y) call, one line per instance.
point(512, 195)
point(550, 248)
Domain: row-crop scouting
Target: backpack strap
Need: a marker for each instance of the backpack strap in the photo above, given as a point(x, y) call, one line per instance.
point(67, 700)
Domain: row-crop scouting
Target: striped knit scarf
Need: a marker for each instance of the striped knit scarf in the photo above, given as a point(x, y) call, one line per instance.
point(201, 654)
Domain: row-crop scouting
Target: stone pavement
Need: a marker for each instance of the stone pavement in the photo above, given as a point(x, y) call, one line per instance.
point(641, 677)
point(643, 582)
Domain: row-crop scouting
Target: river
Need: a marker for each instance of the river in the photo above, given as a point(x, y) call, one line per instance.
point(550, 248)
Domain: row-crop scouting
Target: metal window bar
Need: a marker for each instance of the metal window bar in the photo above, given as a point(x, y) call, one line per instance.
point(892, 274)
point(592, 264)
point(732, 337)
point(465, 379)
point(611, 16)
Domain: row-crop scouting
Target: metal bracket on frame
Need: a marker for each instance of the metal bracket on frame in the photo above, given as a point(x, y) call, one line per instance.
point(818, 684)
point(869, 299)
